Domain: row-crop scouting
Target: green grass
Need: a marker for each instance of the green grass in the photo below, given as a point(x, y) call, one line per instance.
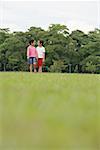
point(49, 111)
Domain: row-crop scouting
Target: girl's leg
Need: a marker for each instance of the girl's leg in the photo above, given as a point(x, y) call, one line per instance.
point(35, 68)
point(40, 61)
point(40, 69)
point(30, 67)
point(35, 64)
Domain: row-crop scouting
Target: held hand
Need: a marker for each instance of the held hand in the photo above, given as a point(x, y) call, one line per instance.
point(43, 60)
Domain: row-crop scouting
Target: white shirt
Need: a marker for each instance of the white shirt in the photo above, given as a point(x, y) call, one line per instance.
point(40, 51)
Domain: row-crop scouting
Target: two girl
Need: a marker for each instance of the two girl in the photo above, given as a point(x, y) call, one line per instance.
point(36, 56)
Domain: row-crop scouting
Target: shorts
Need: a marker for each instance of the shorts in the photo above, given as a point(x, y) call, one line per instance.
point(32, 60)
point(40, 62)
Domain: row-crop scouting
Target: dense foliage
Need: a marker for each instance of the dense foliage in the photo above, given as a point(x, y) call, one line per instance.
point(65, 52)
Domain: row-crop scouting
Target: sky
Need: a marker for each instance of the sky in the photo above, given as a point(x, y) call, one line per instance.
point(21, 15)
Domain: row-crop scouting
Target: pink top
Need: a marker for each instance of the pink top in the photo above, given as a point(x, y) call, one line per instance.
point(31, 51)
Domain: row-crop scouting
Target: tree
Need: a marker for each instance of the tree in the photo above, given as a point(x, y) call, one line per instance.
point(90, 68)
point(65, 52)
point(13, 51)
point(4, 34)
point(58, 66)
point(90, 64)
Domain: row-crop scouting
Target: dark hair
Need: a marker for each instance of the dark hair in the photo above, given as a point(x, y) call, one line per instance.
point(31, 41)
point(41, 42)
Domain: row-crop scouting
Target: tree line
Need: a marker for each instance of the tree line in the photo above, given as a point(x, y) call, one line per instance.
point(66, 52)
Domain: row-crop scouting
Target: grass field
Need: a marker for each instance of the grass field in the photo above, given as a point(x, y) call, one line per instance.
point(49, 111)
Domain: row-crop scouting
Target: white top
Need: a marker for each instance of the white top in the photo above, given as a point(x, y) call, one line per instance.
point(40, 51)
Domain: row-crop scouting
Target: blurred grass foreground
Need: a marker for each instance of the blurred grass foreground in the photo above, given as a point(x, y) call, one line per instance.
point(49, 111)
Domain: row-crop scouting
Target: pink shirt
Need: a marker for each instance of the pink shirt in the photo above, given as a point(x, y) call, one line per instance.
point(31, 51)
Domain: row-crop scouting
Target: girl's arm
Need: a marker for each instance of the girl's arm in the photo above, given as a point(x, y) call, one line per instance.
point(36, 53)
point(28, 52)
point(43, 56)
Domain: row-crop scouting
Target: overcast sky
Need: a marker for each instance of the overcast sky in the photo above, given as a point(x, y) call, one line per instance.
point(21, 15)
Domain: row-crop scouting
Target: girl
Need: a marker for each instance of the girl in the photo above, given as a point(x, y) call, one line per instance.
point(32, 56)
point(41, 55)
